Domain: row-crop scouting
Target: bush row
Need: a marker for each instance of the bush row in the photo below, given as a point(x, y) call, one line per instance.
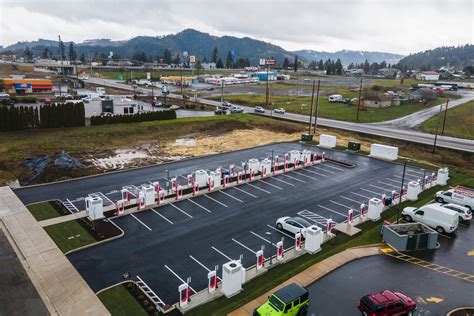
point(138, 117)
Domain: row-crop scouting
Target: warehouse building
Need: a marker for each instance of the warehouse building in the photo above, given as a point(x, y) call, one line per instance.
point(27, 86)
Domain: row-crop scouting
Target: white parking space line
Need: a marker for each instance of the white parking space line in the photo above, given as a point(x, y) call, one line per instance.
point(239, 243)
point(303, 175)
point(274, 178)
point(157, 213)
point(331, 166)
point(141, 222)
point(189, 200)
point(371, 191)
point(179, 278)
point(202, 265)
point(215, 200)
point(328, 209)
point(418, 172)
point(318, 219)
point(322, 169)
point(395, 181)
point(391, 185)
point(220, 252)
point(340, 204)
point(258, 188)
point(380, 187)
point(407, 177)
point(364, 196)
point(296, 179)
point(231, 196)
point(279, 188)
point(245, 192)
point(314, 172)
point(262, 238)
point(181, 210)
point(72, 205)
point(346, 198)
point(281, 232)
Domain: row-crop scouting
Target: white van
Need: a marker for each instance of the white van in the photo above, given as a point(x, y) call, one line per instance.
point(434, 216)
point(459, 195)
point(335, 98)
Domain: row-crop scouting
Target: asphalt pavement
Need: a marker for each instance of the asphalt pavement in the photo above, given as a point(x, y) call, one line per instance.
point(167, 244)
point(435, 292)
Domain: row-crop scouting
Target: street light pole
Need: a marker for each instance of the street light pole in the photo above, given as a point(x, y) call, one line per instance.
point(445, 114)
point(222, 91)
point(358, 104)
point(271, 247)
point(267, 92)
point(401, 191)
point(317, 107)
point(311, 112)
point(437, 129)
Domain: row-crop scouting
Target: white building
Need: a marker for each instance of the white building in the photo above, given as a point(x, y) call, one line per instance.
point(208, 66)
point(427, 75)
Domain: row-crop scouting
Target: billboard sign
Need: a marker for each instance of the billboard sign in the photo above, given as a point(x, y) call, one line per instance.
point(267, 62)
point(192, 59)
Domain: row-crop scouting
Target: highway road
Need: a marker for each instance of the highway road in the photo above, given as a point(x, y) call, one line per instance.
point(396, 129)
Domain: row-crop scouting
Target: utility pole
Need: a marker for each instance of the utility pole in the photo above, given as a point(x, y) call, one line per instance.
point(358, 104)
point(181, 80)
point(222, 91)
point(297, 87)
point(62, 65)
point(437, 129)
point(445, 114)
point(267, 91)
point(317, 107)
point(401, 191)
point(311, 112)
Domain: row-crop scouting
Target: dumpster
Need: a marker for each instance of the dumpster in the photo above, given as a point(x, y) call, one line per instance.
point(353, 145)
point(410, 237)
point(306, 137)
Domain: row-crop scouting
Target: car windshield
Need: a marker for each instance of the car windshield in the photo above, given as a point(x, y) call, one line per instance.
point(301, 221)
point(276, 303)
point(369, 303)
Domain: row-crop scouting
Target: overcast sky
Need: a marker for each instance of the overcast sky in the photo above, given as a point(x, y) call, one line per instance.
point(399, 26)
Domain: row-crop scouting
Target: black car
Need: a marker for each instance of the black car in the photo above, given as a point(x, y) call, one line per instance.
point(7, 102)
point(219, 111)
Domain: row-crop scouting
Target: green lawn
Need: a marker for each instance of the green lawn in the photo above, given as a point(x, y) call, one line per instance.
point(43, 210)
point(459, 122)
point(370, 234)
point(337, 111)
point(69, 235)
point(120, 302)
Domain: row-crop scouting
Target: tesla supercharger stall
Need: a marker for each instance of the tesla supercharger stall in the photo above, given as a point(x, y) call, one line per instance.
point(119, 207)
point(216, 179)
point(298, 241)
point(254, 166)
point(265, 167)
point(212, 281)
point(226, 181)
point(244, 169)
point(375, 209)
point(94, 207)
point(279, 250)
point(156, 186)
point(323, 156)
point(233, 275)
point(413, 190)
point(276, 164)
point(161, 196)
point(350, 216)
point(314, 238)
point(190, 180)
point(443, 176)
point(195, 188)
point(287, 157)
point(314, 158)
point(174, 184)
point(260, 259)
point(384, 199)
point(362, 210)
point(232, 170)
point(125, 194)
point(329, 225)
point(179, 192)
point(141, 200)
point(294, 157)
point(184, 294)
point(433, 179)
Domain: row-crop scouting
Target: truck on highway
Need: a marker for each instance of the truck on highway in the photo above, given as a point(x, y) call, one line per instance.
point(459, 195)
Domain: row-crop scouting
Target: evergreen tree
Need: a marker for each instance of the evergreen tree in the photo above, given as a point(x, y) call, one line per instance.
point(228, 61)
point(321, 65)
point(286, 63)
point(72, 52)
point(295, 65)
point(167, 56)
point(83, 58)
point(338, 67)
point(214, 55)
point(177, 60)
point(45, 53)
point(219, 63)
point(62, 49)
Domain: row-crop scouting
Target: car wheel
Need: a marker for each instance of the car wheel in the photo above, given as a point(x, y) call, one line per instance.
point(303, 311)
point(407, 218)
point(410, 313)
point(470, 208)
point(439, 200)
point(440, 229)
point(279, 226)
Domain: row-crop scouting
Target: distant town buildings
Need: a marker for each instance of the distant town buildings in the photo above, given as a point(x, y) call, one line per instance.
point(427, 75)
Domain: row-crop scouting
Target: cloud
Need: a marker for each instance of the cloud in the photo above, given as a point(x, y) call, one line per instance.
point(401, 26)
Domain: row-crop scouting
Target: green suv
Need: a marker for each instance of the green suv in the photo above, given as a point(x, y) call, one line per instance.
point(288, 301)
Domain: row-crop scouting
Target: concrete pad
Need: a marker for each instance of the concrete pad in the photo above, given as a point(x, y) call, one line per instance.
point(349, 230)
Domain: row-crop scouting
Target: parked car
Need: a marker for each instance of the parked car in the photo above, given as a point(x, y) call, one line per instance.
point(290, 300)
point(7, 102)
point(210, 89)
point(386, 303)
point(226, 104)
point(279, 110)
point(293, 225)
point(220, 111)
point(434, 216)
point(107, 114)
point(335, 98)
point(465, 214)
point(236, 109)
point(459, 195)
point(259, 109)
point(185, 97)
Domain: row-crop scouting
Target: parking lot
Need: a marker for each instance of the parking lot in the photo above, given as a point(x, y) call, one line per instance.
point(434, 291)
point(166, 245)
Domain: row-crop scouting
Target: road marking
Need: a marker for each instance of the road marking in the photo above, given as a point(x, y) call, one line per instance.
point(303, 175)
point(140, 222)
point(381, 188)
point(215, 200)
point(179, 278)
point(322, 169)
point(157, 213)
point(396, 181)
point(181, 210)
point(262, 238)
point(72, 205)
point(392, 185)
point(202, 265)
point(148, 290)
point(327, 208)
point(434, 299)
point(245, 192)
point(296, 179)
point(279, 188)
point(238, 242)
point(281, 232)
point(340, 204)
point(367, 197)
point(220, 252)
point(314, 172)
point(318, 219)
point(258, 188)
point(233, 197)
point(275, 178)
point(189, 200)
point(350, 199)
point(372, 191)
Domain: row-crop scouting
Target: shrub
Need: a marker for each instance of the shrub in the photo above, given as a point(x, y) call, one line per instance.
point(139, 117)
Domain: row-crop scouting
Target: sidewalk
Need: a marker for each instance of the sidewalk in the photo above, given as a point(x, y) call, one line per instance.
point(60, 286)
point(311, 274)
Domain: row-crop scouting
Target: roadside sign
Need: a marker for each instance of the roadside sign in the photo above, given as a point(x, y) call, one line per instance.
point(192, 59)
point(267, 62)
point(148, 76)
